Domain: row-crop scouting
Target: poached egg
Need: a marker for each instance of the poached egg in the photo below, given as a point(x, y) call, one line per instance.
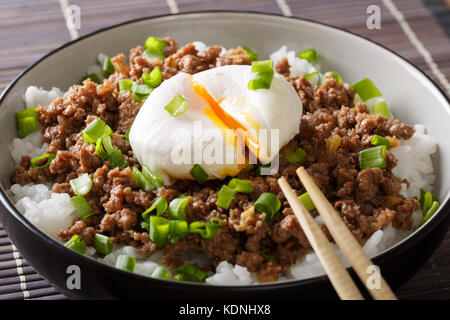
point(222, 115)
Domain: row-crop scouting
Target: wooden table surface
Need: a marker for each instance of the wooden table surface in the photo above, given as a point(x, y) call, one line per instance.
point(417, 30)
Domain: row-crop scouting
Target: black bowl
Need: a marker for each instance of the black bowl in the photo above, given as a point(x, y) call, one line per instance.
point(99, 281)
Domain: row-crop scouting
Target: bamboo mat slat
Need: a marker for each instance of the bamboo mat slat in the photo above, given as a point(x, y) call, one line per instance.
point(29, 29)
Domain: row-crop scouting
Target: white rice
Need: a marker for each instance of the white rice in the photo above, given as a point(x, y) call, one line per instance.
point(51, 212)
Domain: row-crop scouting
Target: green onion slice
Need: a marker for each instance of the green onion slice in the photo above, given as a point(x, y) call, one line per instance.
point(81, 185)
point(380, 141)
point(240, 185)
point(116, 160)
point(307, 202)
point(125, 84)
point(373, 158)
point(262, 66)
point(433, 208)
point(103, 244)
point(268, 256)
point(225, 197)
point(426, 200)
point(127, 135)
point(334, 75)
point(208, 230)
point(192, 273)
point(160, 204)
point(382, 108)
point(159, 230)
point(154, 179)
point(154, 78)
point(155, 43)
point(36, 161)
point(141, 89)
point(82, 207)
point(178, 230)
point(76, 244)
point(366, 89)
point(177, 208)
point(141, 181)
point(313, 75)
point(103, 147)
point(309, 54)
point(253, 56)
point(95, 130)
point(199, 174)
point(177, 106)
point(93, 76)
point(269, 204)
point(27, 121)
point(107, 68)
point(298, 156)
point(152, 54)
point(139, 97)
point(125, 262)
point(262, 81)
point(161, 273)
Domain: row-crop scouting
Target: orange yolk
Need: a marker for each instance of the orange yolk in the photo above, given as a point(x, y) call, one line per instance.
point(228, 122)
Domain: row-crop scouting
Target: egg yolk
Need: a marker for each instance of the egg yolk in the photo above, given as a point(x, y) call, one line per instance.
point(226, 121)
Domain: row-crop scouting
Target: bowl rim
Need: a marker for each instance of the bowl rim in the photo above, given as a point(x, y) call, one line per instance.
point(394, 250)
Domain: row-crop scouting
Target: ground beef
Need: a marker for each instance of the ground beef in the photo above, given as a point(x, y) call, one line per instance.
point(367, 200)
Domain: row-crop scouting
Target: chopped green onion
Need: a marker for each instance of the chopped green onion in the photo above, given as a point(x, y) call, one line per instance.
point(380, 141)
point(93, 76)
point(125, 262)
point(268, 256)
point(310, 55)
point(381, 107)
point(177, 208)
point(125, 84)
point(95, 130)
point(225, 197)
point(252, 55)
point(180, 277)
point(315, 74)
point(152, 54)
point(141, 181)
point(262, 66)
point(199, 174)
point(82, 207)
point(239, 185)
point(334, 75)
point(154, 78)
point(373, 158)
point(207, 230)
point(155, 43)
point(177, 106)
point(27, 121)
point(426, 200)
point(141, 89)
point(178, 230)
point(298, 156)
point(307, 202)
point(127, 135)
point(433, 208)
point(103, 244)
point(81, 185)
point(161, 273)
point(366, 89)
point(35, 161)
point(192, 273)
point(154, 179)
point(160, 204)
point(116, 160)
point(76, 244)
point(107, 68)
point(139, 97)
point(269, 204)
point(159, 230)
point(264, 75)
point(103, 147)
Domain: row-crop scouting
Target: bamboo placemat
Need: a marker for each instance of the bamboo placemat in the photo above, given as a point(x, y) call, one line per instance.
point(417, 30)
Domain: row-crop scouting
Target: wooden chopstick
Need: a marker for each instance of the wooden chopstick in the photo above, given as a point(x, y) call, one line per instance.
point(344, 238)
point(338, 275)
